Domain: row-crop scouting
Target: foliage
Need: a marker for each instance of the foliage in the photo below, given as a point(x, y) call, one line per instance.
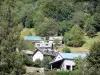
point(74, 37)
point(66, 49)
point(46, 61)
point(59, 10)
point(37, 63)
point(94, 56)
point(78, 18)
point(28, 45)
point(64, 26)
point(56, 41)
point(91, 65)
point(54, 72)
point(27, 60)
point(66, 13)
point(63, 73)
point(11, 62)
point(91, 31)
point(83, 68)
point(48, 28)
point(97, 21)
point(27, 32)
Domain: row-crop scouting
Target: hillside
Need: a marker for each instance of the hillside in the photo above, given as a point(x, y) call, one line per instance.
point(86, 46)
point(27, 31)
point(83, 49)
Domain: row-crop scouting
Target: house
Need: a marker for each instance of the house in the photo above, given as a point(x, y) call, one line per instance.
point(65, 61)
point(40, 53)
point(34, 38)
point(44, 45)
point(52, 39)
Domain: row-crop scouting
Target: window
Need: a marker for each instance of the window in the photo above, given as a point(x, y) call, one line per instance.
point(67, 67)
point(59, 57)
point(46, 44)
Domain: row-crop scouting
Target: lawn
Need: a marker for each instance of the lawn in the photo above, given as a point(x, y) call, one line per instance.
point(27, 31)
point(86, 46)
point(31, 69)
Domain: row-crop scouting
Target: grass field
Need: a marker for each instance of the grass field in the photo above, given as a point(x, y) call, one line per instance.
point(27, 31)
point(31, 69)
point(86, 46)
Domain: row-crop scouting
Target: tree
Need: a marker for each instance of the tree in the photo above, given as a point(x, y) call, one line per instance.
point(94, 55)
point(28, 45)
point(64, 26)
point(37, 63)
point(11, 62)
point(66, 49)
point(91, 31)
point(78, 18)
point(90, 65)
point(26, 17)
point(97, 21)
point(82, 68)
point(59, 10)
point(47, 28)
point(46, 61)
point(74, 37)
point(56, 42)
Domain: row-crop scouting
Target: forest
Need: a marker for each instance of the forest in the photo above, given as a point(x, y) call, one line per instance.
point(72, 19)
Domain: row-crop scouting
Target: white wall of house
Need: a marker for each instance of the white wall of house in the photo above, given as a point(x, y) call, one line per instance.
point(52, 41)
point(66, 63)
point(44, 45)
point(38, 55)
point(58, 58)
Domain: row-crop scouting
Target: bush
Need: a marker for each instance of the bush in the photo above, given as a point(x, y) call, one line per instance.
point(66, 50)
point(63, 73)
point(76, 72)
point(37, 63)
point(75, 43)
point(74, 37)
point(27, 60)
point(54, 72)
point(46, 61)
point(91, 31)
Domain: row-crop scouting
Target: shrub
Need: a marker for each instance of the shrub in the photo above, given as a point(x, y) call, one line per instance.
point(27, 60)
point(91, 31)
point(66, 50)
point(46, 61)
point(74, 37)
point(63, 73)
point(54, 72)
point(37, 63)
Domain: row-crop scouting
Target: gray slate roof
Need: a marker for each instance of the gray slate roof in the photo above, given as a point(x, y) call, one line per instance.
point(48, 52)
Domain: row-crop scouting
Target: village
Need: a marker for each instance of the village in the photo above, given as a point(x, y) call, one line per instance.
point(60, 60)
point(49, 37)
